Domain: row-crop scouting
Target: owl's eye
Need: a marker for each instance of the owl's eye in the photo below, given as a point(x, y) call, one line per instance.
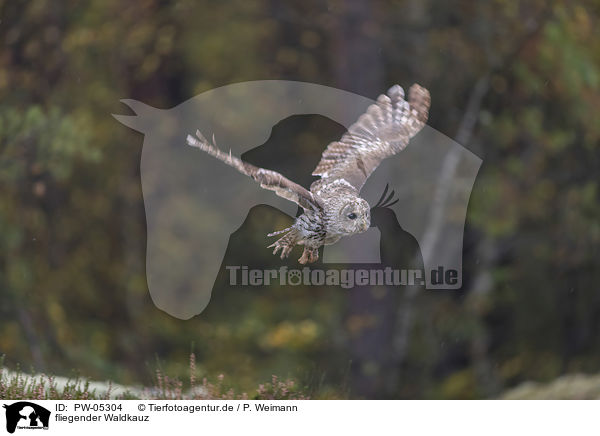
point(352, 216)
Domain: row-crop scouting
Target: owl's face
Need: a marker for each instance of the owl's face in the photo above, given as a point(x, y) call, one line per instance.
point(354, 217)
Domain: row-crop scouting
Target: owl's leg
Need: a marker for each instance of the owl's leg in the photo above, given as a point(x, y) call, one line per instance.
point(309, 255)
point(286, 243)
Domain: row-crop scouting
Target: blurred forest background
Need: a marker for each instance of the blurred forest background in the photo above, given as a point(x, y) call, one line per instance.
point(516, 82)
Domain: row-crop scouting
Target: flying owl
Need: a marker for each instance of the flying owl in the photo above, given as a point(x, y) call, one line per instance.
point(332, 208)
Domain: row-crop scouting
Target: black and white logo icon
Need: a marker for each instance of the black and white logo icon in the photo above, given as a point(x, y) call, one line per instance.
point(26, 415)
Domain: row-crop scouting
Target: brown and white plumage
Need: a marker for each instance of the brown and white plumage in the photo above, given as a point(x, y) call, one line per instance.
point(332, 206)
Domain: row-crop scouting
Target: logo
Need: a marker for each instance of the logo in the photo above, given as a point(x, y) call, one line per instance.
point(26, 415)
point(196, 206)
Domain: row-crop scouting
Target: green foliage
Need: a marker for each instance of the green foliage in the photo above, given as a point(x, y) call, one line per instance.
point(73, 292)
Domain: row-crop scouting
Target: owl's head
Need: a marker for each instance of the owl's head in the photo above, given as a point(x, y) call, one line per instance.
point(354, 216)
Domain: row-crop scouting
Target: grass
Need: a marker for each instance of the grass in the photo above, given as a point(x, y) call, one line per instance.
point(20, 386)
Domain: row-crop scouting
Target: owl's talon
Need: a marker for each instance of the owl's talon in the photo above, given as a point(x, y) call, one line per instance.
point(309, 255)
point(285, 249)
point(285, 244)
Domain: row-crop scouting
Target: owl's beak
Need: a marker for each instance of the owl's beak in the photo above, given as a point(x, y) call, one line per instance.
point(365, 226)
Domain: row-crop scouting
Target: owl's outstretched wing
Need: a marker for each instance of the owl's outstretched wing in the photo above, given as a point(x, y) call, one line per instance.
point(382, 131)
point(266, 178)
